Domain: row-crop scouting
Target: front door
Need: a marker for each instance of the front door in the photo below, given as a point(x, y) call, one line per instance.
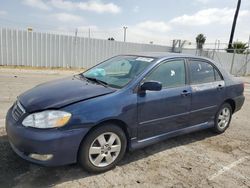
point(167, 110)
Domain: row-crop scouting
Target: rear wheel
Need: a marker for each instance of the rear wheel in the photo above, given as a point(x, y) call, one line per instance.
point(223, 118)
point(103, 148)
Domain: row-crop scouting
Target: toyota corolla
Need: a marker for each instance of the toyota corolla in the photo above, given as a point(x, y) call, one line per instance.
point(124, 103)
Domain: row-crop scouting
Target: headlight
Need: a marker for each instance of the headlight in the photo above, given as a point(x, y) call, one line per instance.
point(47, 119)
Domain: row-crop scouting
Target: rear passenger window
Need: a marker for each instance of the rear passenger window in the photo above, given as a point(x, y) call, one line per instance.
point(202, 72)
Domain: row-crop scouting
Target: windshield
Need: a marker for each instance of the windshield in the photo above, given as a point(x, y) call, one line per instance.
point(118, 71)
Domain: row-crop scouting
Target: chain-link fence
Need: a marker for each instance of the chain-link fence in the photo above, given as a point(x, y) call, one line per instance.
point(234, 62)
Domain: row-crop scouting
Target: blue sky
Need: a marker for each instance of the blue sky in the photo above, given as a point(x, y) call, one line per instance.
point(159, 21)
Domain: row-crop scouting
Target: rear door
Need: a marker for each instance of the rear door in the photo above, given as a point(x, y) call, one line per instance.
point(167, 110)
point(208, 89)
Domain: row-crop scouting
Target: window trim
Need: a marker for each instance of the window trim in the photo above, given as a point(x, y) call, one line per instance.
point(205, 61)
point(166, 61)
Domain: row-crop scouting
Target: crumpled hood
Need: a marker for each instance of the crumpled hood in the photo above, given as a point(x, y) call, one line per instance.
point(59, 93)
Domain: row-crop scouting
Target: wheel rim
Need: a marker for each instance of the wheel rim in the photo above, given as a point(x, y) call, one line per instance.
point(104, 149)
point(224, 118)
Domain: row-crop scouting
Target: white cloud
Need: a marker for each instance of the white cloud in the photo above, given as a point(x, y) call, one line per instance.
point(98, 6)
point(136, 9)
point(135, 33)
point(95, 6)
point(82, 29)
point(142, 32)
point(65, 17)
point(92, 5)
point(154, 26)
point(208, 16)
point(37, 4)
point(138, 35)
point(3, 12)
point(202, 1)
point(61, 4)
point(145, 32)
point(85, 28)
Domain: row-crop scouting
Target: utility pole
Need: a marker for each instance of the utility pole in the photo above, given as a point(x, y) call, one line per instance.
point(124, 34)
point(234, 24)
point(89, 33)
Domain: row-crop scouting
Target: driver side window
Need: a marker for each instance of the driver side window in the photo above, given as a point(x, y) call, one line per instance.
point(170, 74)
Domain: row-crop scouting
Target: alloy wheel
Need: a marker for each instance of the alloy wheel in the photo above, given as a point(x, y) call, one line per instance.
point(224, 117)
point(104, 149)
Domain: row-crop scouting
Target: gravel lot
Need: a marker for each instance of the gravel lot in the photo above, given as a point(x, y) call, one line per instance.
point(201, 159)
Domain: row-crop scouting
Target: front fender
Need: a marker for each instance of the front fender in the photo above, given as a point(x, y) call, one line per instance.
point(119, 106)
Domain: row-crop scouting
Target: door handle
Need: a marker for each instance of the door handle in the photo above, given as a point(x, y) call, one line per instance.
point(185, 93)
point(219, 87)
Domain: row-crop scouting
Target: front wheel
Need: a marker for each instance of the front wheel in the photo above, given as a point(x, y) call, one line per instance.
point(223, 118)
point(102, 149)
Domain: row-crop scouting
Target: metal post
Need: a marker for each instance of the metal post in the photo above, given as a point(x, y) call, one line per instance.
point(89, 33)
point(214, 48)
point(125, 29)
point(1, 32)
point(245, 65)
point(12, 49)
point(247, 53)
point(75, 48)
point(249, 42)
point(232, 64)
point(218, 46)
point(32, 50)
point(22, 47)
point(174, 45)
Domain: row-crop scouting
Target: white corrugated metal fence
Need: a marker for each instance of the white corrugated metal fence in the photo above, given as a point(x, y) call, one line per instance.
point(36, 49)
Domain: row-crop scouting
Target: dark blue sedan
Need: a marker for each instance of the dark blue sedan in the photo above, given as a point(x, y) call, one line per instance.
point(124, 103)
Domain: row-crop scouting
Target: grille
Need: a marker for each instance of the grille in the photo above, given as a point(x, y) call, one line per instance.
point(17, 111)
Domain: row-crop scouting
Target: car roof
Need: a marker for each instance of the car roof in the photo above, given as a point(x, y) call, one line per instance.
point(168, 55)
point(160, 55)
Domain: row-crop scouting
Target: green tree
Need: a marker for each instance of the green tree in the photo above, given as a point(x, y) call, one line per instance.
point(200, 41)
point(238, 47)
point(111, 38)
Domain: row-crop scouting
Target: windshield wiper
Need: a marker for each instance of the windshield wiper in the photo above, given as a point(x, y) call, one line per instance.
point(96, 80)
point(79, 76)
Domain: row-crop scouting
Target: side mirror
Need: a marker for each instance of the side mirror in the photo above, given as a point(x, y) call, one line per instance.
point(151, 86)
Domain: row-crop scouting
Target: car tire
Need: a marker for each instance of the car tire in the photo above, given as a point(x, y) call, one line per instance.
point(102, 149)
point(223, 118)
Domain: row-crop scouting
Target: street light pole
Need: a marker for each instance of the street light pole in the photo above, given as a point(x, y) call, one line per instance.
point(124, 34)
